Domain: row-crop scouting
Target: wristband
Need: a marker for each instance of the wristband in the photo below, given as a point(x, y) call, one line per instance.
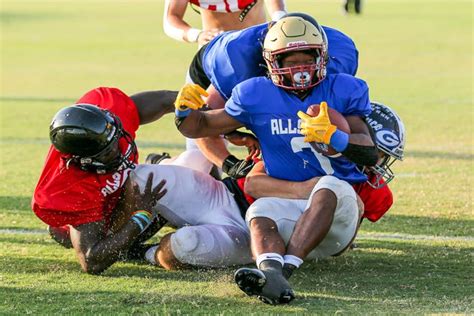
point(339, 140)
point(192, 35)
point(278, 15)
point(142, 218)
point(182, 114)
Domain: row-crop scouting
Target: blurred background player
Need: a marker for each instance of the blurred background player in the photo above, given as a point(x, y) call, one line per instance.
point(217, 16)
point(353, 6)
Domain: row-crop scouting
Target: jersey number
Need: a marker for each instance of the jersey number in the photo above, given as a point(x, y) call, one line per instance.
point(297, 145)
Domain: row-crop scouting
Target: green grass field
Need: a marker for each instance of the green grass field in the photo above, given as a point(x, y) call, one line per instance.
point(416, 56)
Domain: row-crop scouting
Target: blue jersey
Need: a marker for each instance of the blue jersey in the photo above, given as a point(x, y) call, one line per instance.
point(236, 56)
point(270, 113)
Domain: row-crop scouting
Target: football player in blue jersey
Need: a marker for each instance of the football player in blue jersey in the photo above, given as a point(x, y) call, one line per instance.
point(234, 57)
point(296, 54)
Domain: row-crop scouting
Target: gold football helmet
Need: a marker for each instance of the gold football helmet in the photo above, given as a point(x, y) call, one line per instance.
point(292, 34)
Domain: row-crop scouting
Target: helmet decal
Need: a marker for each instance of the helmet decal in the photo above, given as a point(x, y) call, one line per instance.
point(387, 138)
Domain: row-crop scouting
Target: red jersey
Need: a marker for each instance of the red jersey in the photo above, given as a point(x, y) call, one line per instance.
point(222, 5)
point(69, 195)
point(376, 201)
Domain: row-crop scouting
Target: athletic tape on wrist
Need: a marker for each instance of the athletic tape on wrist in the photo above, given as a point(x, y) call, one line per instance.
point(269, 256)
point(192, 35)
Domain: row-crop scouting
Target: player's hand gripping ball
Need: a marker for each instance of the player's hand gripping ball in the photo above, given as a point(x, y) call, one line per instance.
point(190, 97)
point(335, 119)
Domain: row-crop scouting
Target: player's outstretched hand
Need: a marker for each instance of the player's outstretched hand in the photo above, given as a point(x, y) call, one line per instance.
point(245, 139)
point(190, 97)
point(147, 199)
point(319, 128)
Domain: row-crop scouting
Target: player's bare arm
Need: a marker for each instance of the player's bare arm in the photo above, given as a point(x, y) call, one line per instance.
point(275, 8)
point(210, 123)
point(197, 124)
point(96, 253)
point(174, 24)
point(152, 105)
point(259, 184)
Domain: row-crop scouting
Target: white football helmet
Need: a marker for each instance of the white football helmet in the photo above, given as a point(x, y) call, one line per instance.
point(291, 34)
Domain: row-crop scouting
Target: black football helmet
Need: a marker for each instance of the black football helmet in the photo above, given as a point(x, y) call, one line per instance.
point(389, 133)
point(89, 137)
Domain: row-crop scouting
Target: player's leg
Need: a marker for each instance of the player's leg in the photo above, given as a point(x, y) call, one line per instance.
point(271, 220)
point(328, 225)
point(358, 6)
point(346, 6)
point(204, 246)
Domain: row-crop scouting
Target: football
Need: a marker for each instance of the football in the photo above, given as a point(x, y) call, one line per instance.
point(336, 119)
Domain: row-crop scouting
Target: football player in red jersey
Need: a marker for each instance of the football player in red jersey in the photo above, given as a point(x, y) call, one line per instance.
point(217, 16)
point(97, 199)
point(80, 188)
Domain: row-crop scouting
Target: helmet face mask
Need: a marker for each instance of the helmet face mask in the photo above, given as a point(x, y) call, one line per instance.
point(382, 171)
point(389, 133)
point(89, 137)
point(290, 35)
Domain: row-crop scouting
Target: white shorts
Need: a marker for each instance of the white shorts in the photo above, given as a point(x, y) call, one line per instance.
point(211, 231)
point(286, 212)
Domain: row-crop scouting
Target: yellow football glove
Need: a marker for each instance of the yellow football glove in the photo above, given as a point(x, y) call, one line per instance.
point(319, 128)
point(190, 97)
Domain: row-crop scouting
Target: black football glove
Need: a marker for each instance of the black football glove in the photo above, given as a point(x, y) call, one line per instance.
point(236, 168)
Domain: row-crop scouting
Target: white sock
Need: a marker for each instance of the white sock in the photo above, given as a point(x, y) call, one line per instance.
point(150, 255)
point(293, 260)
point(269, 256)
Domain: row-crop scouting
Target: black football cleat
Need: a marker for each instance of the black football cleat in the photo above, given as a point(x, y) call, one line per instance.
point(250, 281)
point(156, 158)
point(285, 297)
point(136, 253)
point(253, 281)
